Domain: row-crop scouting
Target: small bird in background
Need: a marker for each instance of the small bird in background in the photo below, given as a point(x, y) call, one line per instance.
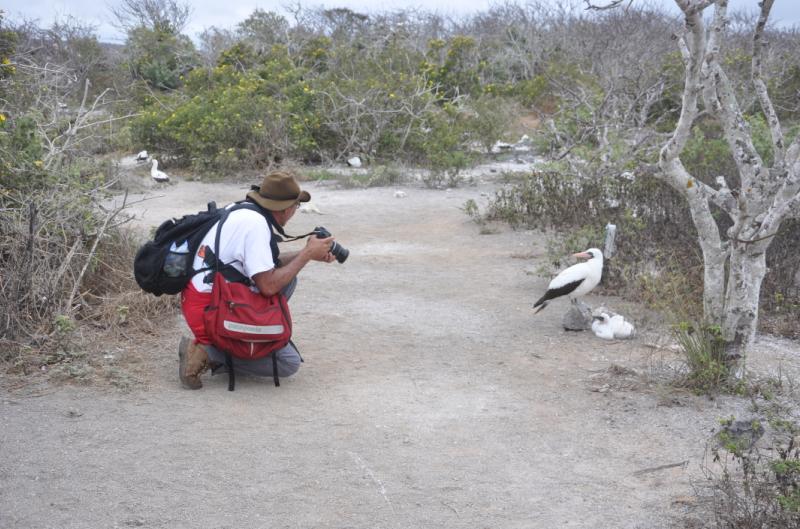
point(158, 176)
point(142, 156)
point(309, 207)
point(575, 281)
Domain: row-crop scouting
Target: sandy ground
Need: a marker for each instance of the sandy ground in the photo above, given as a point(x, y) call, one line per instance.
point(430, 397)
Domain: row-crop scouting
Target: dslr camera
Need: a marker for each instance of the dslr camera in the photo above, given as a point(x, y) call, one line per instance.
point(338, 251)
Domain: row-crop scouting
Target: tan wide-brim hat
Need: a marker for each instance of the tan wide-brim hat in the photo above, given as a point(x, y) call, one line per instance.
point(278, 191)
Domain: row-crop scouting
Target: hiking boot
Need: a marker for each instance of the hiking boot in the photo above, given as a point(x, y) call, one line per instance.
point(192, 362)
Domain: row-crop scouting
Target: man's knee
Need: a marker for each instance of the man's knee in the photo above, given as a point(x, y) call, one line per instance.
point(288, 361)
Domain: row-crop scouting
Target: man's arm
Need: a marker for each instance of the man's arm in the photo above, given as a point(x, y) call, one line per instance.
point(287, 257)
point(272, 281)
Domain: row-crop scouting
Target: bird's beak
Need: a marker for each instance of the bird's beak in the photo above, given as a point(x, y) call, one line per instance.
point(599, 318)
point(582, 255)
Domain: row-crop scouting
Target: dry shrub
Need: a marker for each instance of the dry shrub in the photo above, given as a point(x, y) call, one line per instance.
point(112, 291)
point(132, 309)
point(66, 264)
point(755, 480)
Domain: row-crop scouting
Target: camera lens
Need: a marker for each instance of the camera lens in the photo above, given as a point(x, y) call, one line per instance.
point(339, 252)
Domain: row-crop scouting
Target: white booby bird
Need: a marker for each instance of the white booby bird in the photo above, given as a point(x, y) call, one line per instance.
point(575, 281)
point(142, 156)
point(158, 176)
point(623, 329)
point(601, 326)
point(611, 327)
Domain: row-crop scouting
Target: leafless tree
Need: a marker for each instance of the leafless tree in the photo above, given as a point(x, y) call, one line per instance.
point(169, 16)
point(52, 87)
point(263, 29)
point(214, 41)
point(604, 67)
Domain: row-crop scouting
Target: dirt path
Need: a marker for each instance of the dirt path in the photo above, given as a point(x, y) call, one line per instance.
point(430, 397)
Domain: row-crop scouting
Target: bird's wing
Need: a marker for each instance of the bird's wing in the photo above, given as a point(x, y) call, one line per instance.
point(562, 290)
point(577, 272)
point(553, 293)
point(564, 283)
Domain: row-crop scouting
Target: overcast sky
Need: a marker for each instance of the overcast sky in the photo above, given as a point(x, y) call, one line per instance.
point(227, 13)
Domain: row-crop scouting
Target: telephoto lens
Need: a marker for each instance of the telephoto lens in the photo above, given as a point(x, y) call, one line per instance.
point(339, 252)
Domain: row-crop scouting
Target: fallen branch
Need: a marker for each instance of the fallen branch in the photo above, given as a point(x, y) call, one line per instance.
point(661, 467)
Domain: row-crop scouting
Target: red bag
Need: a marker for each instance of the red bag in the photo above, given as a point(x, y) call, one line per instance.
point(244, 323)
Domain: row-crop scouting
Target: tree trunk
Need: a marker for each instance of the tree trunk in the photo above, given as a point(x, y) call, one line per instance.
point(714, 256)
point(748, 266)
point(713, 284)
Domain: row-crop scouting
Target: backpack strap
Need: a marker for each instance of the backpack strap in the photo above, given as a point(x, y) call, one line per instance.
point(210, 259)
point(232, 376)
point(274, 356)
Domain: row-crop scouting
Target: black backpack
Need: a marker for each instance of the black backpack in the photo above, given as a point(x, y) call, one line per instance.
point(164, 265)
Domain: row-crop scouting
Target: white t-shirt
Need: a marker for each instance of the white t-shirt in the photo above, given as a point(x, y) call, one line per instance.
point(245, 245)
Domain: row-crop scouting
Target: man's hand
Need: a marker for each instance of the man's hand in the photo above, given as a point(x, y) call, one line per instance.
point(319, 249)
point(272, 281)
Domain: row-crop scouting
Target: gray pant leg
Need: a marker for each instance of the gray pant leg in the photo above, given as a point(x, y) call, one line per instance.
point(288, 358)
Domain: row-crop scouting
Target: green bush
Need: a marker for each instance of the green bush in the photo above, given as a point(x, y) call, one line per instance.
point(454, 67)
point(490, 119)
point(709, 369)
point(8, 45)
point(234, 119)
point(531, 92)
point(758, 485)
point(21, 153)
point(160, 57)
point(371, 102)
point(444, 140)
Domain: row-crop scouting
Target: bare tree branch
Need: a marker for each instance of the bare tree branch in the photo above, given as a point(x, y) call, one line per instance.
point(778, 146)
point(169, 16)
point(610, 5)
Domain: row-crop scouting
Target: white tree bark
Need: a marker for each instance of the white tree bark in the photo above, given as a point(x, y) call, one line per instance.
point(767, 195)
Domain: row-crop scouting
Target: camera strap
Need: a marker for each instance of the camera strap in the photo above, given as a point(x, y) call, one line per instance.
point(281, 236)
point(290, 238)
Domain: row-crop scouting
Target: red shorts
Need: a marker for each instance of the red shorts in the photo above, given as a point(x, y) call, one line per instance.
point(193, 305)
